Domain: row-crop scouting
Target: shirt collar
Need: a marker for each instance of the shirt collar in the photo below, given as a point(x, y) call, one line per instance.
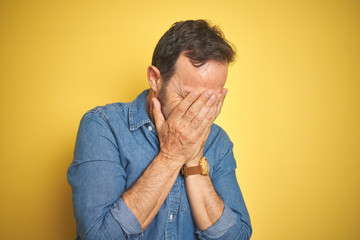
point(137, 111)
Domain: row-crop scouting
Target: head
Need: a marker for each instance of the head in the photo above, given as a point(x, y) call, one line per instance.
point(191, 55)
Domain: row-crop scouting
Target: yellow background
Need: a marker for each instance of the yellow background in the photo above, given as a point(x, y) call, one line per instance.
point(293, 108)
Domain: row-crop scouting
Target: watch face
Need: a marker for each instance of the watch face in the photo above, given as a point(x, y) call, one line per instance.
point(205, 166)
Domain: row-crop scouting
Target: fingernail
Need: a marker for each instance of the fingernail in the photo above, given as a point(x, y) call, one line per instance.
point(212, 98)
point(208, 93)
point(226, 91)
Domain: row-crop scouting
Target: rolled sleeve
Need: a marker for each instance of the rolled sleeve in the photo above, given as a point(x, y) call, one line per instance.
point(127, 220)
point(221, 227)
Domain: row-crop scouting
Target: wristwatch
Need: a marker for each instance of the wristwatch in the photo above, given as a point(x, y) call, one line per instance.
point(202, 169)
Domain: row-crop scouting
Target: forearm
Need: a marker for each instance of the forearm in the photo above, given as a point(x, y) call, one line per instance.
point(206, 206)
point(147, 195)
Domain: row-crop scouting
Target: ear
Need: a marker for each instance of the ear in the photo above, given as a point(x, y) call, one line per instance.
point(154, 78)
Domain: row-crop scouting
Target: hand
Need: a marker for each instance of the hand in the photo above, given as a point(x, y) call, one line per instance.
point(218, 105)
point(183, 135)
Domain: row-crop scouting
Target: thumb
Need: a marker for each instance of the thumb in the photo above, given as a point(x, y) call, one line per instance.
point(158, 116)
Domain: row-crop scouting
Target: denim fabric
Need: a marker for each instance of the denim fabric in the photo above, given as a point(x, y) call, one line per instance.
point(114, 145)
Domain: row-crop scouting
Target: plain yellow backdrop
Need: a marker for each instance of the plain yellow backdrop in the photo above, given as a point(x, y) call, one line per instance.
point(293, 108)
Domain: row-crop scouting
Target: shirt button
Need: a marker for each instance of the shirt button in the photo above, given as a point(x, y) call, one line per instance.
point(171, 216)
point(150, 128)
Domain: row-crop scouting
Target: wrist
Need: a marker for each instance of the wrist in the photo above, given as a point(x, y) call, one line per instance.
point(170, 161)
point(193, 163)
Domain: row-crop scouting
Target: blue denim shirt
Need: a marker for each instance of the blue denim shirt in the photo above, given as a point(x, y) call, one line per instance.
point(114, 145)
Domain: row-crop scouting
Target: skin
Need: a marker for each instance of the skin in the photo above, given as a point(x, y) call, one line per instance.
point(183, 114)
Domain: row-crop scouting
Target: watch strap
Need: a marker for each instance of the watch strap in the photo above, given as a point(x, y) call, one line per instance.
point(202, 169)
point(186, 171)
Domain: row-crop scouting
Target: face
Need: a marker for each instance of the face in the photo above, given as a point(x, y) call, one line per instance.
point(187, 78)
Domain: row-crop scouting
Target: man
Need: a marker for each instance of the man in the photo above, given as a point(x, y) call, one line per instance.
point(158, 168)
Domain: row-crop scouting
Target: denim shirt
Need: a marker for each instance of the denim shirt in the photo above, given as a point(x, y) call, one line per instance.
point(114, 145)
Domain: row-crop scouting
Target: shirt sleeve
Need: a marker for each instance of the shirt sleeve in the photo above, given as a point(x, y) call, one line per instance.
point(97, 180)
point(234, 223)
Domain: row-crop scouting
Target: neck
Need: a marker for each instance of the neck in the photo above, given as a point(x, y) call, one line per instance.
point(149, 105)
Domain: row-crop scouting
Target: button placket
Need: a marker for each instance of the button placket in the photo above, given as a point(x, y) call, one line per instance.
point(174, 202)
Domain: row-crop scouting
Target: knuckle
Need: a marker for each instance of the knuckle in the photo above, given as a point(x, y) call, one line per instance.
point(171, 124)
point(205, 100)
point(209, 116)
point(199, 118)
point(195, 124)
point(193, 140)
point(192, 112)
point(187, 138)
point(181, 108)
point(173, 129)
point(179, 130)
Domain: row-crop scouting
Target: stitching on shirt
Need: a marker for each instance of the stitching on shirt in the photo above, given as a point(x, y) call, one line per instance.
point(99, 111)
point(136, 123)
point(131, 116)
point(134, 126)
point(95, 160)
point(115, 106)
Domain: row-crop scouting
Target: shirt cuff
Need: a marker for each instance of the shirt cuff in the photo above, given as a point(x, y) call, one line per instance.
point(127, 220)
point(227, 220)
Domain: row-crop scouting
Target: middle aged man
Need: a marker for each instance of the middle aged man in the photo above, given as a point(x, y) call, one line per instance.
point(158, 168)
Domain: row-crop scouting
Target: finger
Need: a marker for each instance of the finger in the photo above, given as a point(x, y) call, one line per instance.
point(207, 122)
point(158, 116)
point(196, 107)
point(205, 126)
point(195, 123)
point(221, 102)
point(184, 105)
point(213, 115)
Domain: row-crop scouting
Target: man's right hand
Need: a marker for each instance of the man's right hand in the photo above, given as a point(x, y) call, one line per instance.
point(183, 135)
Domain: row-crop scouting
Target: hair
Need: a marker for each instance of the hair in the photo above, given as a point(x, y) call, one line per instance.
point(199, 41)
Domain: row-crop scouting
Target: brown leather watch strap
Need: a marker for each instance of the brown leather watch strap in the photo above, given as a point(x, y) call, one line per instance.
point(186, 171)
